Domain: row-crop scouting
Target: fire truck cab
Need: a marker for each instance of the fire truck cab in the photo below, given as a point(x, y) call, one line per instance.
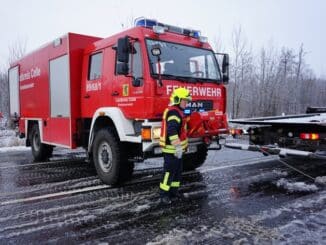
point(108, 95)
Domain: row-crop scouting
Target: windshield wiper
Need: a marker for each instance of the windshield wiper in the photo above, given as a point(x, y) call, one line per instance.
point(186, 79)
point(174, 77)
point(196, 79)
point(202, 80)
point(189, 79)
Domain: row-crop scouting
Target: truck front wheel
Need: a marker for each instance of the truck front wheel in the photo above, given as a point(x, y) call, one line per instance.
point(110, 163)
point(40, 151)
point(194, 160)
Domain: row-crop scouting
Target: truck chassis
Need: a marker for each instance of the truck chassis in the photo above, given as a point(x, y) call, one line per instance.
point(302, 135)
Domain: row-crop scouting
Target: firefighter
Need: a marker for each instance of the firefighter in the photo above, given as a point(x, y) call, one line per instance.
point(173, 142)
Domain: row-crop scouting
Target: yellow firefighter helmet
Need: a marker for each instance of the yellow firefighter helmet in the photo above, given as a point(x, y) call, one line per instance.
point(179, 94)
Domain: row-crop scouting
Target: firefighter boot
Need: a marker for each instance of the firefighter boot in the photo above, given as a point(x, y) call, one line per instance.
point(175, 194)
point(165, 200)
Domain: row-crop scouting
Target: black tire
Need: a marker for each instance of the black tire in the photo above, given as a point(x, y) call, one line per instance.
point(40, 151)
point(111, 163)
point(194, 160)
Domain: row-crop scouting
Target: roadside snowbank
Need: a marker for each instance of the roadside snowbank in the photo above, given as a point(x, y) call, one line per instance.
point(321, 180)
point(14, 148)
point(296, 186)
point(8, 138)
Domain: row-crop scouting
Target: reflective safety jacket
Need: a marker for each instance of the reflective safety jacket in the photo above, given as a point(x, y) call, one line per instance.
point(174, 127)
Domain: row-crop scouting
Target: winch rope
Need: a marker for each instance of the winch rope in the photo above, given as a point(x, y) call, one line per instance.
point(289, 166)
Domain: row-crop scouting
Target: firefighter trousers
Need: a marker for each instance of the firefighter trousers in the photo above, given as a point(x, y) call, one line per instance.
point(172, 171)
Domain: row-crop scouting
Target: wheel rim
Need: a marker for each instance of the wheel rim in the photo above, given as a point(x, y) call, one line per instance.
point(36, 141)
point(104, 155)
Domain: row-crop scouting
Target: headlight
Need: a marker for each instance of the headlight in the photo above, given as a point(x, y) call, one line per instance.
point(156, 133)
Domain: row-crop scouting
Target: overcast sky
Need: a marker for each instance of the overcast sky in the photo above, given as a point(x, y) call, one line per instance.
point(281, 22)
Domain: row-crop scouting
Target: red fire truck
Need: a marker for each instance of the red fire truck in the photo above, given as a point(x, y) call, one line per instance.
point(108, 95)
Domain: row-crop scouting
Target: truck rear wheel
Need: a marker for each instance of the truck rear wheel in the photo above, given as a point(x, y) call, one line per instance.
point(194, 160)
point(110, 162)
point(40, 151)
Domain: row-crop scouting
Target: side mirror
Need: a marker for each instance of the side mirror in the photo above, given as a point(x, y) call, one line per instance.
point(122, 69)
point(225, 64)
point(225, 68)
point(123, 49)
point(225, 79)
point(136, 82)
point(224, 60)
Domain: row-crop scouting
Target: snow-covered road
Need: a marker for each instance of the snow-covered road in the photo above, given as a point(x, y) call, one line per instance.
point(236, 197)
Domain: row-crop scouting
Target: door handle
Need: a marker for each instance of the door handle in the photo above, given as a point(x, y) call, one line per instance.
point(115, 93)
point(87, 96)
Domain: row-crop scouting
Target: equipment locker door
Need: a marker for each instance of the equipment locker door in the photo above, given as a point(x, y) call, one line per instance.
point(14, 91)
point(57, 130)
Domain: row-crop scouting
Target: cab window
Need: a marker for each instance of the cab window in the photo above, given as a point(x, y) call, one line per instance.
point(95, 66)
point(135, 62)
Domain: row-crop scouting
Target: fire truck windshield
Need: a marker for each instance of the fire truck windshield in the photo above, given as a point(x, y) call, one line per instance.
point(183, 62)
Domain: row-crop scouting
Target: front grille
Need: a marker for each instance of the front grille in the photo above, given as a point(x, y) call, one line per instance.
point(200, 105)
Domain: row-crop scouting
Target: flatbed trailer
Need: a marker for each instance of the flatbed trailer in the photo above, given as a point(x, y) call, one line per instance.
point(302, 135)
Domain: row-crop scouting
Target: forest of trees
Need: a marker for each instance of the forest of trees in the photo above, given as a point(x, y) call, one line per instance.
point(271, 81)
point(266, 82)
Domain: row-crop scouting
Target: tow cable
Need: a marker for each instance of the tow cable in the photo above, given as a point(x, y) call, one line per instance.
point(289, 166)
point(321, 182)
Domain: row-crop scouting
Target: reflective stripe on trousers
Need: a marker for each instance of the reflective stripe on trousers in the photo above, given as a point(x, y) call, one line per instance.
point(172, 171)
point(164, 185)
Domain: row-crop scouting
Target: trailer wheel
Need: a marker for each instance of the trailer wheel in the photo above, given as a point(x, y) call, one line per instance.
point(194, 160)
point(40, 151)
point(110, 162)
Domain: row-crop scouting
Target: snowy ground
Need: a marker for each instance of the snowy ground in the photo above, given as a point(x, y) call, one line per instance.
point(9, 139)
point(236, 197)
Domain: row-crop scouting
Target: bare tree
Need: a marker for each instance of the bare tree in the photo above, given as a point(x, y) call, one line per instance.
point(128, 23)
point(17, 50)
point(246, 98)
point(298, 77)
point(218, 44)
point(269, 82)
point(239, 70)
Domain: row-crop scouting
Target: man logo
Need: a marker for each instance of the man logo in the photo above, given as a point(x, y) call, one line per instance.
point(195, 104)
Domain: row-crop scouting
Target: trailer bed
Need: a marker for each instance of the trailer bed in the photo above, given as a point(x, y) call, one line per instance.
point(302, 135)
point(301, 119)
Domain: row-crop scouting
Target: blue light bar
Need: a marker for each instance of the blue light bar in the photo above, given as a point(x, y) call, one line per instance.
point(145, 22)
point(175, 29)
point(195, 34)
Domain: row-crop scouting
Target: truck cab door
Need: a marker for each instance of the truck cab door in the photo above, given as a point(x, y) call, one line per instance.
point(96, 86)
point(128, 88)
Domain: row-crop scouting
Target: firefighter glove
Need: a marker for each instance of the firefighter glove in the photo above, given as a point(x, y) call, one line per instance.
point(178, 151)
